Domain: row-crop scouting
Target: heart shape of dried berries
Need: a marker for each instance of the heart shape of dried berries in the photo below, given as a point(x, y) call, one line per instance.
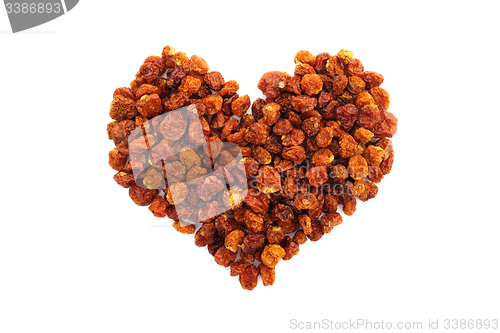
point(260, 184)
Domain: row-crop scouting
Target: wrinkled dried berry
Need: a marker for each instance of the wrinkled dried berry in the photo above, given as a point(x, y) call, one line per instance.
point(272, 83)
point(268, 180)
point(249, 277)
point(272, 254)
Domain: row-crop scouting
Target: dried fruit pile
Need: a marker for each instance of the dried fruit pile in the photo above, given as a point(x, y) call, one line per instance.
point(319, 140)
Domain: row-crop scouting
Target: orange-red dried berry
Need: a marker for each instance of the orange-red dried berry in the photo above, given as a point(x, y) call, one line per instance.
point(214, 80)
point(249, 277)
point(198, 64)
point(267, 274)
point(305, 57)
point(224, 256)
point(240, 105)
point(272, 83)
point(268, 180)
point(311, 84)
point(272, 254)
point(330, 220)
point(184, 229)
point(317, 176)
point(303, 103)
point(189, 85)
point(358, 168)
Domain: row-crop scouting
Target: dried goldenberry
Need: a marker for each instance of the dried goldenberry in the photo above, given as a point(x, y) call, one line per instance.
point(317, 176)
point(324, 137)
point(272, 83)
point(374, 155)
point(257, 134)
point(333, 66)
point(234, 240)
point(387, 127)
point(238, 267)
point(305, 200)
point(369, 116)
point(294, 138)
point(272, 254)
point(271, 113)
point(330, 220)
point(142, 196)
point(293, 85)
point(184, 229)
point(268, 180)
point(253, 243)
point(267, 274)
point(123, 105)
point(354, 67)
point(386, 165)
point(275, 235)
point(198, 64)
point(363, 135)
point(189, 85)
point(305, 57)
point(339, 84)
point(372, 79)
point(296, 154)
point(321, 60)
point(348, 146)
point(303, 103)
point(214, 80)
point(345, 56)
point(311, 84)
point(249, 277)
point(356, 84)
point(282, 127)
point(323, 157)
point(347, 115)
point(358, 168)
point(229, 88)
point(311, 126)
point(224, 256)
point(240, 105)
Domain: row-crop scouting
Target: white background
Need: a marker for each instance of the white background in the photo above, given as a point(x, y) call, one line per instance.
point(76, 255)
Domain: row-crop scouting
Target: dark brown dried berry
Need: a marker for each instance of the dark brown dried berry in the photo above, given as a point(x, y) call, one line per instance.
point(347, 115)
point(311, 126)
point(253, 243)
